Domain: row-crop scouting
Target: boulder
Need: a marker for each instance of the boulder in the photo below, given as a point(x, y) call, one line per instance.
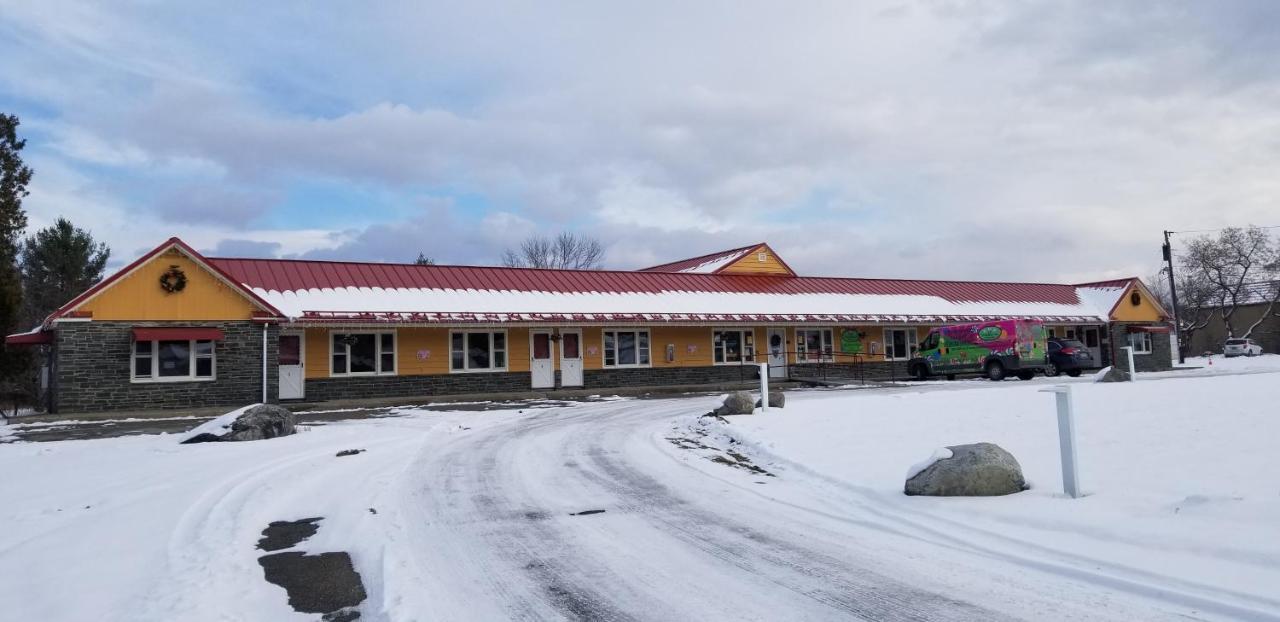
point(1112, 374)
point(975, 470)
point(777, 399)
point(738, 403)
point(261, 422)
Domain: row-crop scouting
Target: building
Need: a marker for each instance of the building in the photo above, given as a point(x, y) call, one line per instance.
point(177, 329)
point(1262, 317)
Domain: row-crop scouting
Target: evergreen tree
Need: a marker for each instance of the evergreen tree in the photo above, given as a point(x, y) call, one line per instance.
point(14, 177)
point(58, 263)
point(423, 260)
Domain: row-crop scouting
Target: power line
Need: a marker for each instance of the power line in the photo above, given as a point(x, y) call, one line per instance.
point(1221, 228)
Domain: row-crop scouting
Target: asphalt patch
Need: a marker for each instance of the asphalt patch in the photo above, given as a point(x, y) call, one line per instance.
point(325, 583)
point(284, 534)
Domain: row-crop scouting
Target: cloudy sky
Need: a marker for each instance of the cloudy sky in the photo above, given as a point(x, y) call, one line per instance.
point(936, 139)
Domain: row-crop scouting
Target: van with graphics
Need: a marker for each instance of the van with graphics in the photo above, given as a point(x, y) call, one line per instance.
point(995, 349)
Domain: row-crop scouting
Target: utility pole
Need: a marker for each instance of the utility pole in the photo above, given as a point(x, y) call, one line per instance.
point(1173, 294)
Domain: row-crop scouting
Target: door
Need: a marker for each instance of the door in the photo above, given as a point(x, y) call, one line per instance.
point(1092, 341)
point(541, 366)
point(777, 339)
point(570, 358)
point(290, 360)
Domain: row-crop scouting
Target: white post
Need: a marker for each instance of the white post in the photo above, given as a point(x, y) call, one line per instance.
point(1128, 350)
point(1066, 439)
point(264, 363)
point(764, 387)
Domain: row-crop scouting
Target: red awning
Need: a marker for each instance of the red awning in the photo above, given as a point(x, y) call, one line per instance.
point(1150, 329)
point(151, 333)
point(29, 339)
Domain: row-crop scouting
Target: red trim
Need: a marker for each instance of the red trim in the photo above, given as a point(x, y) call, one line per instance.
point(29, 339)
point(388, 317)
point(66, 310)
point(154, 333)
point(1150, 329)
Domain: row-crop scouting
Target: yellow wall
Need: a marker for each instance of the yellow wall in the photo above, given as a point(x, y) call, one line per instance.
point(138, 295)
point(751, 264)
point(419, 351)
point(1144, 312)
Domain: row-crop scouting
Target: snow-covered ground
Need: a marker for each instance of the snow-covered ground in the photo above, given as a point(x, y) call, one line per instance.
point(470, 515)
point(1180, 474)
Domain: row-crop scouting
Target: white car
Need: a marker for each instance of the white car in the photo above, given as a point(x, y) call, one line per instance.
point(1241, 347)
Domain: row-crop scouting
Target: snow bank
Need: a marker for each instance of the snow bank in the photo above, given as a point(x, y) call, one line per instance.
point(941, 453)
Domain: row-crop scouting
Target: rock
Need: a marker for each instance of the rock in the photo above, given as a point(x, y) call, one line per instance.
point(1112, 374)
point(261, 422)
point(738, 403)
point(203, 437)
point(348, 452)
point(777, 399)
point(975, 470)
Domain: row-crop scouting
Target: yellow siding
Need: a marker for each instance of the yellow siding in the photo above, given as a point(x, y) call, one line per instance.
point(138, 295)
point(752, 264)
point(317, 354)
point(593, 348)
point(1126, 311)
point(422, 351)
point(518, 349)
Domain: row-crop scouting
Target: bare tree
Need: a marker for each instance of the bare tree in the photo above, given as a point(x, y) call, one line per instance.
point(1233, 264)
point(1197, 302)
point(565, 251)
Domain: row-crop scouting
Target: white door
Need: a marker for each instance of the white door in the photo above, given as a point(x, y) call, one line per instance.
point(541, 365)
point(570, 358)
point(1092, 340)
point(290, 359)
point(777, 339)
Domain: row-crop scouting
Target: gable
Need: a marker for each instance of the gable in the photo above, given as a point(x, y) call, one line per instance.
point(1147, 309)
point(759, 261)
point(136, 294)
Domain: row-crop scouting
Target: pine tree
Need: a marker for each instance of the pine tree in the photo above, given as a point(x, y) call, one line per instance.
point(14, 177)
point(58, 263)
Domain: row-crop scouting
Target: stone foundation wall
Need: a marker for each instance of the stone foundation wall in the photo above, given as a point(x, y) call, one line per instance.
point(92, 369)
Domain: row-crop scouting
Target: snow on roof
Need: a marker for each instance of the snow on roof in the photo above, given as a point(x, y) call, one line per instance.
point(338, 291)
point(705, 264)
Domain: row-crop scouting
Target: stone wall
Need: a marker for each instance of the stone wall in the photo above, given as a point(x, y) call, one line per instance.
point(359, 387)
point(669, 376)
point(1160, 359)
point(92, 369)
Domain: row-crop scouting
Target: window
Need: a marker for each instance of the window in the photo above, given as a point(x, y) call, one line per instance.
point(478, 350)
point(899, 343)
point(355, 354)
point(813, 345)
point(1141, 342)
point(626, 348)
point(733, 346)
point(172, 360)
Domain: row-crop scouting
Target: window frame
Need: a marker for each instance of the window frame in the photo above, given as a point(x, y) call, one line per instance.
point(1146, 341)
point(604, 350)
point(466, 359)
point(743, 346)
point(826, 339)
point(913, 339)
point(192, 358)
point(377, 353)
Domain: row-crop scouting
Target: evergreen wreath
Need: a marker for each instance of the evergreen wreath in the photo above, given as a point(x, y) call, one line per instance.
point(173, 280)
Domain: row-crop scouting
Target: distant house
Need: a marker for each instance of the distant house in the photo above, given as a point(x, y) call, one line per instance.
point(177, 329)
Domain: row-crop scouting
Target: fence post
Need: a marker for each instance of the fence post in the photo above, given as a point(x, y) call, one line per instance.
point(764, 387)
point(1066, 439)
point(1129, 354)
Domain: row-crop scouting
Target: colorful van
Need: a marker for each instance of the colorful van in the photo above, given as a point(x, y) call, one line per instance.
point(994, 349)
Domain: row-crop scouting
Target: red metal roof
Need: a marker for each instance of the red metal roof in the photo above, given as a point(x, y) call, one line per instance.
point(291, 275)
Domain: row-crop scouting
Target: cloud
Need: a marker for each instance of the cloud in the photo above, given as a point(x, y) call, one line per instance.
point(1032, 140)
point(244, 249)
